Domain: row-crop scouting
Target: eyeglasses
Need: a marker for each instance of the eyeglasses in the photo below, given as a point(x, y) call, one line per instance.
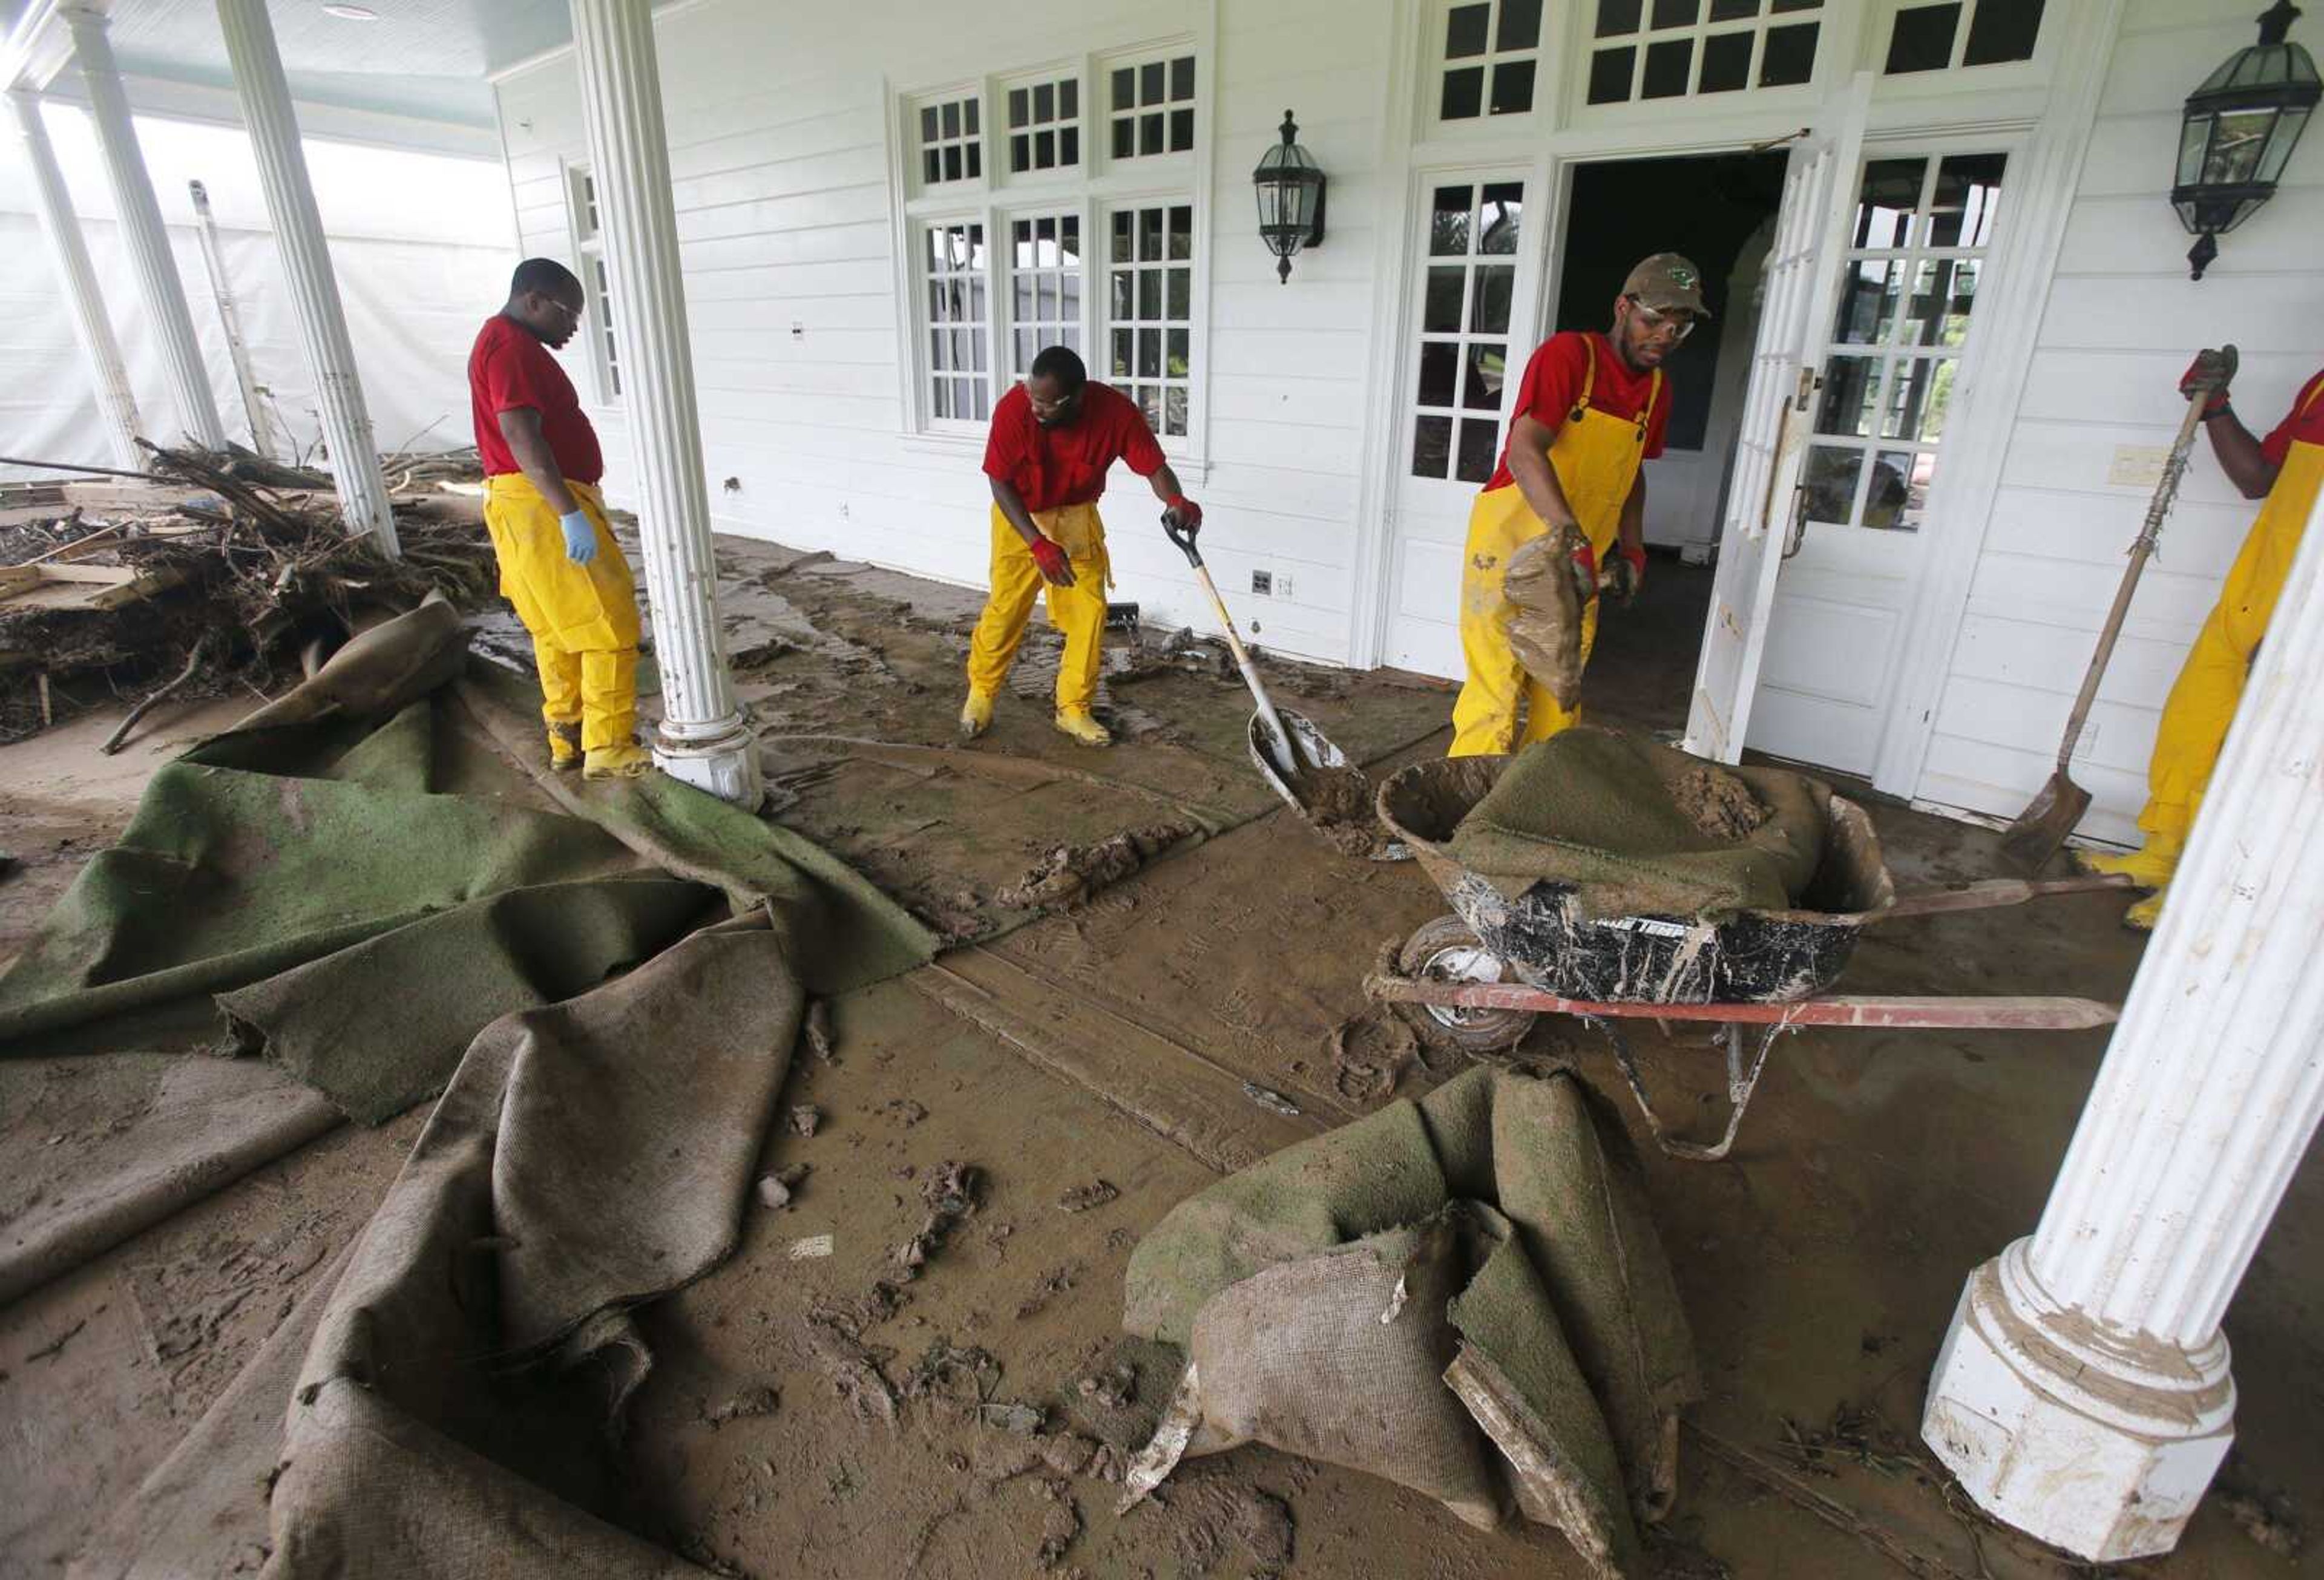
point(1679, 326)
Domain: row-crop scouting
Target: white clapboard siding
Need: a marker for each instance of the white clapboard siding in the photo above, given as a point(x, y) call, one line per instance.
point(2122, 320)
point(780, 177)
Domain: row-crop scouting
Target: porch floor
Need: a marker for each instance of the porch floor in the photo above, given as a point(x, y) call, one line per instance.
point(1111, 1042)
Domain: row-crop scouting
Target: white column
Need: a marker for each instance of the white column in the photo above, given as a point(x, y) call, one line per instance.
point(705, 738)
point(116, 405)
point(141, 229)
point(2083, 1393)
point(274, 128)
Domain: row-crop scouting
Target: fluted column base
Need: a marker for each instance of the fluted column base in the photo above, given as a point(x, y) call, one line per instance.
point(726, 765)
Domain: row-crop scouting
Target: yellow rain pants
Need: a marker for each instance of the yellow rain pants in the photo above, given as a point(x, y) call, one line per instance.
point(2211, 683)
point(1596, 456)
point(584, 618)
point(1078, 611)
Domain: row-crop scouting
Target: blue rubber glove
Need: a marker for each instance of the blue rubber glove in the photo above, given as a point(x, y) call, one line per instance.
point(580, 537)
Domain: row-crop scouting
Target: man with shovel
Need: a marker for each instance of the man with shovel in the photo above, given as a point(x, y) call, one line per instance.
point(2286, 469)
point(1052, 440)
point(1591, 409)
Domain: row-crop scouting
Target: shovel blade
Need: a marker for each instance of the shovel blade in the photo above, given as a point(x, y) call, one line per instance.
point(2042, 827)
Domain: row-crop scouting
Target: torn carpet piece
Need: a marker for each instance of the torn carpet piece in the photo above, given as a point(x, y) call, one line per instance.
point(1573, 1355)
point(1600, 812)
point(586, 1157)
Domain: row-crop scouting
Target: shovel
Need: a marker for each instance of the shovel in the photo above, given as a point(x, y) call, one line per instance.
point(1286, 749)
point(2042, 827)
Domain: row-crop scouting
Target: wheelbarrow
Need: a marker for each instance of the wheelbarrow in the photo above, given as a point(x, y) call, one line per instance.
point(1478, 979)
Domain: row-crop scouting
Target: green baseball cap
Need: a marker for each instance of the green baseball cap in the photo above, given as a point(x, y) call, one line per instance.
point(1667, 283)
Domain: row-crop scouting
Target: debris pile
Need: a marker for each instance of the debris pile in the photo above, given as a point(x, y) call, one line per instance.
point(212, 581)
point(1070, 873)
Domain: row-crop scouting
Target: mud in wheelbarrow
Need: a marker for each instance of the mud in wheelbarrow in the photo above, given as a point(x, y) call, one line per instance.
point(1478, 979)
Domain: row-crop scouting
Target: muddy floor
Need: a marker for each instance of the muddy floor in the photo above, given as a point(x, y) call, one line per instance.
point(1005, 1123)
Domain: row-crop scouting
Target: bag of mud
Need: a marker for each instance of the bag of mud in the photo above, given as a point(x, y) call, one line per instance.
point(1640, 828)
point(1546, 613)
point(1463, 1295)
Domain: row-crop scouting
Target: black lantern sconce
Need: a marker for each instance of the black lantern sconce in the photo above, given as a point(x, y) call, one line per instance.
point(1290, 186)
point(2239, 129)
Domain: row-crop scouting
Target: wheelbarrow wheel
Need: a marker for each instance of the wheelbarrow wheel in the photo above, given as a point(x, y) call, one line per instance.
point(1447, 951)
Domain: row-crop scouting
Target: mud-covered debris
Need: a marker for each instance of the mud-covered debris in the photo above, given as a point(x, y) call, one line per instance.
point(1267, 1097)
point(1370, 1051)
point(1069, 1453)
point(998, 1458)
point(1058, 1281)
point(806, 1119)
point(1070, 873)
point(1115, 1388)
point(1061, 1524)
point(905, 1111)
point(853, 1368)
point(1338, 802)
point(817, 1030)
point(1024, 1420)
point(960, 1375)
point(760, 1401)
point(781, 1189)
point(2267, 1519)
point(1215, 1518)
point(1081, 1197)
point(950, 1193)
point(1718, 803)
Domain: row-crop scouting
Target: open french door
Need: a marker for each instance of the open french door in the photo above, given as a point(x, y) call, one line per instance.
point(1802, 282)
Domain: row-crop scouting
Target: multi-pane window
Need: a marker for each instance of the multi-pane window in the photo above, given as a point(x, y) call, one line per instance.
point(1470, 280)
point(1932, 38)
point(1493, 49)
point(1153, 107)
point(1044, 285)
point(1150, 310)
point(1044, 125)
point(597, 282)
point(1680, 49)
point(959, 322)
point(1915, 267)
point(952, 147)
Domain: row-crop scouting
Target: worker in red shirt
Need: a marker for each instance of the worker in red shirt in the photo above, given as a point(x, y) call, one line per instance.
point(2286, 469)
point(1591, 409)
point(559, 565)
point(1052, 439)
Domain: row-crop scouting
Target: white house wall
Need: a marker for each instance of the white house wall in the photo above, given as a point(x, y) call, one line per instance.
point(2122, 320)
point(779, 169)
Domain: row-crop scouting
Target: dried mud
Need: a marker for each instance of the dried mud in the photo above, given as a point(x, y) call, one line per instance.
point(1718, 803)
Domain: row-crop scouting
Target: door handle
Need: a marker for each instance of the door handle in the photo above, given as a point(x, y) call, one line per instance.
point(1797, 535)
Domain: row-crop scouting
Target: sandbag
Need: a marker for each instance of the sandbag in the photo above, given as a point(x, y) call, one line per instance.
point(1546, 614)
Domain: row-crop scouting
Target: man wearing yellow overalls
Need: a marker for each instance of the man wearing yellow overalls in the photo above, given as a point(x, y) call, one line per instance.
point(1591, 409)
point(559, 565)
point(2287, 469)
point(1053, 439)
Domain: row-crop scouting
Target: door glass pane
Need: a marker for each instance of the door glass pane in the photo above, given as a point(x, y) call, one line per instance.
point(1788, 57)
point(1149, 401)
point(1502, 205)
point(1892, 191)
point(1448, 222)
point(1120, 354)
point(1440, 363)
point(1480, 390)
point(1440, 310)
point(1520, 26)
point(1899, 493)
point(1968, 196)
point(1432, 446)
point(1180, 299)
point(1922, 40)
point(1149, 235)
point(1830, 478)
point(1943, 292)
point(1150, 293)
point(1918, 394)
point(1490, 314)
point(1851, 385)
point(1175, 361)
point(1477, 451)
point(1868, 296)
point(1174, 413)
point(1465, 31)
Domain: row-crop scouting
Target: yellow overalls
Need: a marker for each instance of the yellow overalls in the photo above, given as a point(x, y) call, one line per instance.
point(2211, 683)
point(1078, 611)
point(584, 618)
point(1596, 456)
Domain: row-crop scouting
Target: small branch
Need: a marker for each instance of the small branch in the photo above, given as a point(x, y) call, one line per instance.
point(113, 742)
point(89, 470)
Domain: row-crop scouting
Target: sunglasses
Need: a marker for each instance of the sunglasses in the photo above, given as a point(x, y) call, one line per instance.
point(1679, 326)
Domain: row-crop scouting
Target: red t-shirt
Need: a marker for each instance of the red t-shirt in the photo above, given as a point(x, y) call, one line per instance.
point(1066, 465)
point(1553, 383)
point(509, 369)
point(2304, 424)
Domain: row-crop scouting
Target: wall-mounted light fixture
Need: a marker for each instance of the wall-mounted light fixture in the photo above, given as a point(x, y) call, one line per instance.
point(2239, 129)
point(1290, 186)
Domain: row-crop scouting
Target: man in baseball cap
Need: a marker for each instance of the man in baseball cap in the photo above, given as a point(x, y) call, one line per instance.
point(1591, 411)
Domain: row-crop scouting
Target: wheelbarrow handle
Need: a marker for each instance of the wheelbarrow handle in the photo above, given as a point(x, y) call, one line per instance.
point(1993, 892)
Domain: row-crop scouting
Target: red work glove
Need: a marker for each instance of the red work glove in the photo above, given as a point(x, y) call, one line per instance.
point(2212, 370)
point(1626, 573)
point(1585, 568)
point(1187, 514)
point(1054, 567)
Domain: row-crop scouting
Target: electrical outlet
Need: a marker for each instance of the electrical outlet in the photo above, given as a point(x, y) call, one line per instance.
point(1282, 584)
point(799, 330)
point(1262, 582)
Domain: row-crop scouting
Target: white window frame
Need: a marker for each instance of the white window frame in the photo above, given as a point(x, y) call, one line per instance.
point(1956, 78)
point(1002, 134)
point(975, 93)
point(585, 225)
point(1433, 65)
point(1099, 184)
point(1832, 33)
